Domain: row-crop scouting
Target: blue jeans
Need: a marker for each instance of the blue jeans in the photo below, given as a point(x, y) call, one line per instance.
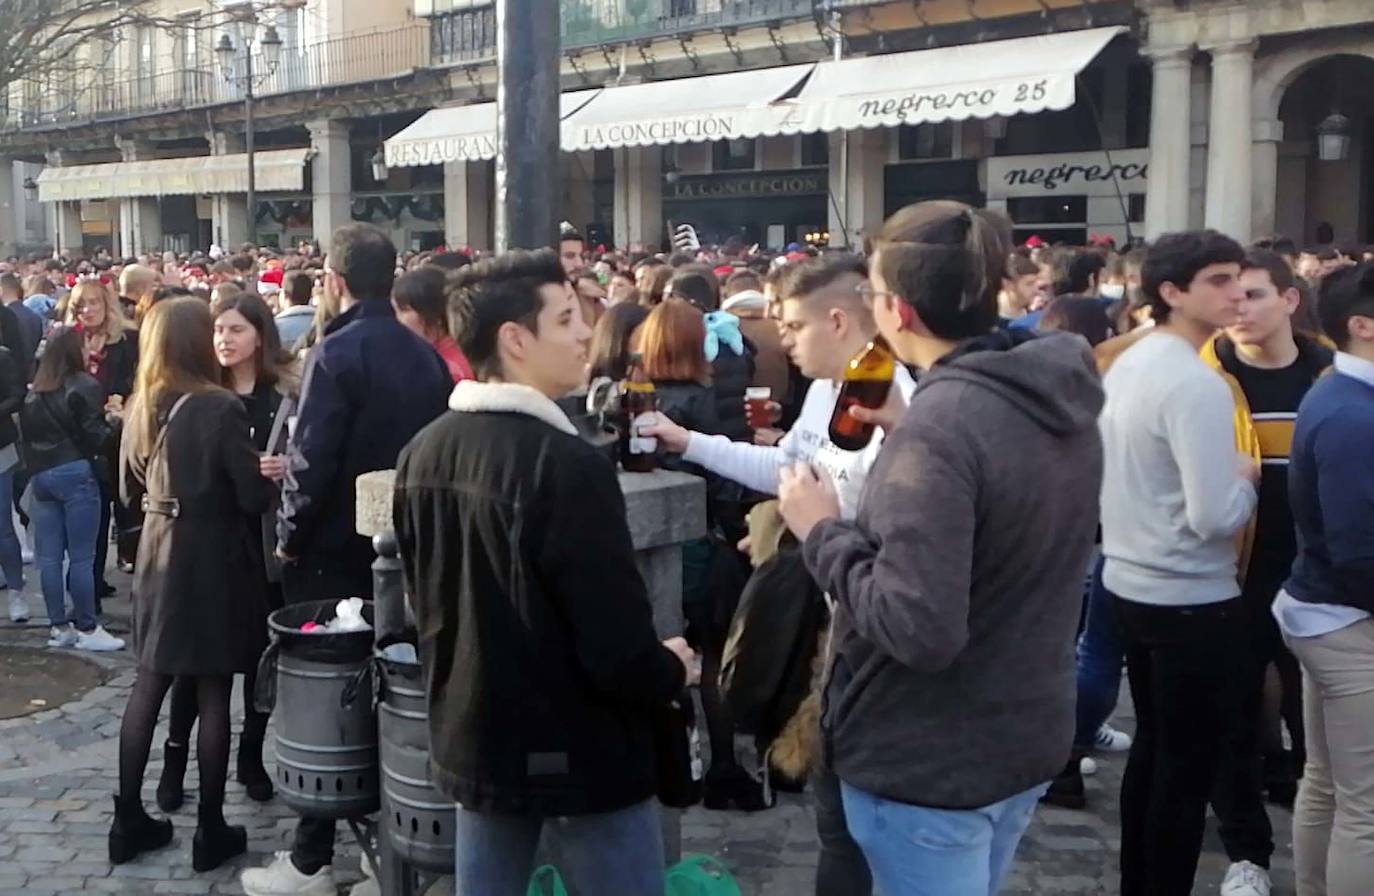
point(66, 522)
point(1101, 653)
point(11, 557)
point(915, 851)
point(617, 852)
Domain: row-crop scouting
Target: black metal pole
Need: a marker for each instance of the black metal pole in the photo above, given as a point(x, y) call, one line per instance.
point(248, 146)
point(527, 162)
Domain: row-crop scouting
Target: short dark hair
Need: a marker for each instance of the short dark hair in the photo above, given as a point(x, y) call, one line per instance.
point(364, 256)
point(11, 282)
point(423, 291)
point(697, 284)
point(946, 260)
point(1083, 266)
point(1280, 274)
point(496, 291)
point(1346, 293)
point(1084, 315)
point(297, 285)
point(740, 281)
point(805, 277)
point(1177, 258)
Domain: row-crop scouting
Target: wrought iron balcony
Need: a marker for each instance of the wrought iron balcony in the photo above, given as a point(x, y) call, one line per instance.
point(470, 33)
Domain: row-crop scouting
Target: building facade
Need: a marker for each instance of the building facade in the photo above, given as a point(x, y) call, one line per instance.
point(772, 121)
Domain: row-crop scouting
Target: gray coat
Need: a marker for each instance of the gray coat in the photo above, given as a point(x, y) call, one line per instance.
point(200, 592)
point(959, 584)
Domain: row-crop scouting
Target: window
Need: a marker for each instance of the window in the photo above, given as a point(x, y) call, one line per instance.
point(815, 149)
point(1048, 209)
point(1068, 130)
point(926, 141)
point(1138, 95)
point(1135, 206)
point(734, 155)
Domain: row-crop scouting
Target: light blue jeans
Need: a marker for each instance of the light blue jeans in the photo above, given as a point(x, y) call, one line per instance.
point(66, 523)
point(915, 851)
point(11, 557)
point(618, 853)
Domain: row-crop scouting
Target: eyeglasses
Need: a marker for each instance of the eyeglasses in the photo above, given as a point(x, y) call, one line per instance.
point(866, 292)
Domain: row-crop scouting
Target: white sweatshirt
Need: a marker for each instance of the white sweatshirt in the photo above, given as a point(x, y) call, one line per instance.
point(756, 466)
point(1173, 496)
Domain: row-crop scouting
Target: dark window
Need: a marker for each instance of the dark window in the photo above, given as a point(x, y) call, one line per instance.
point(1055, 236)
point(815, 149)
point(1069, 130)
point(734, 155)
point(1138, 94)
point(926, 141)
point(1135, 204)
point(1048, 209)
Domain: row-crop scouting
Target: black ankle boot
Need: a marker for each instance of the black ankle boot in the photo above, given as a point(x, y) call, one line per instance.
point(134, 832)
point(733, 788)
point(216, 842)
point(251, 774)
point(170, 794)
point(1067, 790)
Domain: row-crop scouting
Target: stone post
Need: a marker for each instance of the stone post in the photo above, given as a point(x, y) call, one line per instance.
point(1229, 150)
point(228, 211)
point(1264, 195)
point(11, 209)
point(1166, 192)
point(639, 196)
point(857, 162)
point(467, 204)
point(333, 177)
point(140, 216)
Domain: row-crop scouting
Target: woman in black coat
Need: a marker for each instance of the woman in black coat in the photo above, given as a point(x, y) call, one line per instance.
point(187, 458)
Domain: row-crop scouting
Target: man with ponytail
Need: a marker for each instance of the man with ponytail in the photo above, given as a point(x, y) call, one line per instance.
point(949, 702)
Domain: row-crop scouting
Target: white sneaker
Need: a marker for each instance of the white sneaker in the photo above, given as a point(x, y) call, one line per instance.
point(1087, 766)
point(1245, 879)
point(63, 636)
point(281, 878)
point(1111, 740)
point(98, 641)
point(19, 606)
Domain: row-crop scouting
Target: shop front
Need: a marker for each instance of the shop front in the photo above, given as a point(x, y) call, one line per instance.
point(1069, 198)
point(768, 208)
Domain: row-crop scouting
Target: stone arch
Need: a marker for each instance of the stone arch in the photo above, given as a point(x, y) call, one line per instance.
point(1276, 72)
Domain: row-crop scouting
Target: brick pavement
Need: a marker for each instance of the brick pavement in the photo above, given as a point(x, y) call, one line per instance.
point(58, 774)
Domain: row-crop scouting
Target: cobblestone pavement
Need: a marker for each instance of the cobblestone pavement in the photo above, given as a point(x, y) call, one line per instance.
point(58, 775)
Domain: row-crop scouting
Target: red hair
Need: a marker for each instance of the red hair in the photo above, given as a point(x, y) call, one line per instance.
point(672, 343)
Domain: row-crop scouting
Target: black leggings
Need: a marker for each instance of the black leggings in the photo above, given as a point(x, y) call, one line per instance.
point(185, 708)
point(211, 693)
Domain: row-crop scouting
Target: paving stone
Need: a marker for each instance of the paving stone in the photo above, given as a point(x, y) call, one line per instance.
point(44, 854)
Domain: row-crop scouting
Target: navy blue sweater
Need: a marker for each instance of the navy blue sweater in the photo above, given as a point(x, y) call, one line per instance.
point(1331, 486)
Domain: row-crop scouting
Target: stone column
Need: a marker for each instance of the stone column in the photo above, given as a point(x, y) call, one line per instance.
point(67, 236)
point(140, 216)
point(1229, 153)
point(467, 204)
point(857, 162)
point(639, 196)
point(11, 209)
point(228, 211)
point(1264, 193)
point(1166, 196)
point(333, 177)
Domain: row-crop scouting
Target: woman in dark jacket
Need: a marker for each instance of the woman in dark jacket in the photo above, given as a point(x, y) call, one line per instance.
point(187, 458)
point(259, 372)
point(64, 428)
point(11, 557)
point(110, 349)
point(671, 343)
point(729, 354)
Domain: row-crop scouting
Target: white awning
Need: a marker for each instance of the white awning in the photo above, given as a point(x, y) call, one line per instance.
point(277, 170)
point(459, 133)
point(1004, 77)
point(688, 110)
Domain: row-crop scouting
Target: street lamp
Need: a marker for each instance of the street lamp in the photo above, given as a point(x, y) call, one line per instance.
point(378, 162)
point(1333, 138)
point(269, 45)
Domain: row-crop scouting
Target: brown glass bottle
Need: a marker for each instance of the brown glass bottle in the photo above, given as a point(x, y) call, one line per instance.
point(867, 381)
point(639, 404)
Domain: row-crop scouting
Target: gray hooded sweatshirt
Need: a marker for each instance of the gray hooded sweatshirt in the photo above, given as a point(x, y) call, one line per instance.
point(959, 584)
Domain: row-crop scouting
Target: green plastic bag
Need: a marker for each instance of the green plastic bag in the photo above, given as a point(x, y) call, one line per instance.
point(545, 881)
point(698, 875)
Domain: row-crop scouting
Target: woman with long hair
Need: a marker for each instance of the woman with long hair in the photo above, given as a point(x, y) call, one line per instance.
point(254, 367)
point(609, 352)
point(188, 459)
point(418, 298)
point(110, 352)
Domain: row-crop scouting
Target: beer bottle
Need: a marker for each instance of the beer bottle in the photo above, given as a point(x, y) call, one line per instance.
point(639, 405)
point(867, 380)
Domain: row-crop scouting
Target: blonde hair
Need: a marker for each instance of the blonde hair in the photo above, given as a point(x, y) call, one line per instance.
point(136, 279)
point(85, 291)
point(176, 357)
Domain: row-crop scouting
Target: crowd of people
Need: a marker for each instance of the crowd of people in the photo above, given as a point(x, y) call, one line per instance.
point(1088, 459)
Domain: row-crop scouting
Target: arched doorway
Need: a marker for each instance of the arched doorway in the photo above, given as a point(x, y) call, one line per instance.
point(1318, 199)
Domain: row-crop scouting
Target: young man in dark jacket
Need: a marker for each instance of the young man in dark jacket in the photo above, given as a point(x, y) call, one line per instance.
point(535, 629)
point(949, 702)
point(369, 386)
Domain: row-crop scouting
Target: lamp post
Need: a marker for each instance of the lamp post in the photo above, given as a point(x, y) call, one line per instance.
point(270, 46)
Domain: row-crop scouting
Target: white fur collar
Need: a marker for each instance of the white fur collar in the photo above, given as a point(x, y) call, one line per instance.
point(470, 396)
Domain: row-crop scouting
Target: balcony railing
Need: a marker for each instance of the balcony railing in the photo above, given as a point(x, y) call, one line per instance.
point(348, 59)
point(470, 33)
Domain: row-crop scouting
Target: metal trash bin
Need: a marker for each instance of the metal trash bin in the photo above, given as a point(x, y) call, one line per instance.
point(326, 728)
point(419, 820)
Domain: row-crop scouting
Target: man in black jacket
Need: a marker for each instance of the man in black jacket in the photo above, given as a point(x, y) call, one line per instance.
point(535, 629)
point(369, 386)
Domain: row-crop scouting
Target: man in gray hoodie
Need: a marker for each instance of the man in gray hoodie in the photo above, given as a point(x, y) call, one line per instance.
point(949, 703)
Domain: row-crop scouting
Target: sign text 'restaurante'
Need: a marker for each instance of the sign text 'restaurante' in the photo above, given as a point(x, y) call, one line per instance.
point(436, 152)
